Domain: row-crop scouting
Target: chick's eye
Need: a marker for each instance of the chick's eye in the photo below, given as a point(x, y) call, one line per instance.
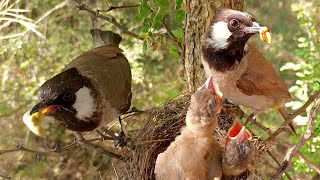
point(234, 23)
point(68, 96)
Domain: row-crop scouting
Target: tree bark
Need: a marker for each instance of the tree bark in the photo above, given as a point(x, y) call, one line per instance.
point(199, 14)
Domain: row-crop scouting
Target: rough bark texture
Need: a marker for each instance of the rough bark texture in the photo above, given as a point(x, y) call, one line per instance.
point(199, 14)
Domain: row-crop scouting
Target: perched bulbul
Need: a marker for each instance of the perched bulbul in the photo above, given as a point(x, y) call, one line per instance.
point(92, 90)
point(243, 74)
point(194, 154)
point(238, 152)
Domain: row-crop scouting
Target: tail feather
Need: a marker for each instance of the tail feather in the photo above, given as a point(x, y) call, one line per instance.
point(285, 114)
point(102, 38)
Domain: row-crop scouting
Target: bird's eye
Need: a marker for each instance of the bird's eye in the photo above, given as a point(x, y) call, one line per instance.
point(68, 96)
point(234, 23)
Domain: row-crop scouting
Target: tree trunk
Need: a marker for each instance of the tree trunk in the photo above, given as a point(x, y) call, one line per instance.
point(199, 14)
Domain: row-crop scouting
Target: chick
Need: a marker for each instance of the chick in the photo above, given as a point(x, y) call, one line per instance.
point(239, 151)
point(195, 154)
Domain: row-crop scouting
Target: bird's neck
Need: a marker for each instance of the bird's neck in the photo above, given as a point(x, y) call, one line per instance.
point(200, 127)
point(222, 60)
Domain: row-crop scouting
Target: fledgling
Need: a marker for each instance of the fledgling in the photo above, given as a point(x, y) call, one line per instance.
point(194, 154)
point(243, 74)
point(92, 90)
point(238, 152)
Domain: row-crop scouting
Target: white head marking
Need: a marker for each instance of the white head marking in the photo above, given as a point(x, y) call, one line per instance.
point(219, 35)
point(84, 103)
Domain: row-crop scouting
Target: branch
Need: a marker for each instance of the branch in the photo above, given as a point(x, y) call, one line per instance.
point(171, 35)
point(308, 162)
point(275, 160)
point(56, 150)
point(119, 7)
point(311, 99)
point(110, 19)
point(84, 143)
point(304, 138)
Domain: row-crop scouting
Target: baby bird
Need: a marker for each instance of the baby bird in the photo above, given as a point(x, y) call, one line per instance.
point(239, 151)
point(195, 154)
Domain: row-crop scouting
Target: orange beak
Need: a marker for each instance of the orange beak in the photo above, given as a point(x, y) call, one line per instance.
point(238, 133)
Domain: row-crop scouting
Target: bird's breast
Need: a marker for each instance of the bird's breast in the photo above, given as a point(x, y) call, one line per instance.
point(227, 82)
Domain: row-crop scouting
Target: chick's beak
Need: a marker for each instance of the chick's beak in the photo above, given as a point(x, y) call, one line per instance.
point(265, 33)
point(44, 109)
point(211, 85)
point(243, 135)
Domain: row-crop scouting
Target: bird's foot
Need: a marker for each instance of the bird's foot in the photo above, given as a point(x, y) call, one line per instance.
point(134, 110)
point(120, 139)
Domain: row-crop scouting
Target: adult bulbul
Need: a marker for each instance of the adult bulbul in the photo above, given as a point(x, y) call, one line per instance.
point(92, 90)
point(243, 74)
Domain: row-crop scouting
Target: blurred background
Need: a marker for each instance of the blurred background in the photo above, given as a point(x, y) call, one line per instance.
point(37, 38)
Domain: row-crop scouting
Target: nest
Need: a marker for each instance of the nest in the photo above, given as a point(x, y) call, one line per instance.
point(163, 124)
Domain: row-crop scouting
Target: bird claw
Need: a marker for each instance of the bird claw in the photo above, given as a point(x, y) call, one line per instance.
point(120, 139)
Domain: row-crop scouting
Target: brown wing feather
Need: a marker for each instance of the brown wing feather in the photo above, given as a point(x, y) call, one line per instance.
point(261, 78)
point(109, 71)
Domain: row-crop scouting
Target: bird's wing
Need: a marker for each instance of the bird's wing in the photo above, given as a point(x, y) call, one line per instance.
point(106, 52)
point(261, 78)
point(109, 71)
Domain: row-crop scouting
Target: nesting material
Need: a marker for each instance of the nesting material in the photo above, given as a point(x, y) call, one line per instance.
point(163, 124)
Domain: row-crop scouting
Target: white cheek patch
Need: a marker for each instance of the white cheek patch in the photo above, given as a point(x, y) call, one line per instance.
point(219, 35)
point(84, 103)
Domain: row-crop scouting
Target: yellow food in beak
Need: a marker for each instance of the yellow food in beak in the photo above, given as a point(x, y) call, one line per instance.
point(265, 35)
point(35, 123)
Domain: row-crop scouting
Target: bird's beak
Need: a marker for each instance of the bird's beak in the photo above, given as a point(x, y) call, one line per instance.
point(211, 85)
point(44, 109)
point(238, 132)
point(265, 33)
point(243, 135)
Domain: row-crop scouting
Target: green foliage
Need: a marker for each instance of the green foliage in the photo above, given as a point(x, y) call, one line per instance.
point(307, 69)
point(153, 14)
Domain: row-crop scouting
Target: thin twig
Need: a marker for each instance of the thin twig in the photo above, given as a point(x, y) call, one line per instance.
point(308, 162)
point(304, 138)
point(171, 35)
point(115, 170)
point(84, 143)
point(282, 128)
point(275, 160)
point(110, 19)
point(119, 7)
point(56, 150)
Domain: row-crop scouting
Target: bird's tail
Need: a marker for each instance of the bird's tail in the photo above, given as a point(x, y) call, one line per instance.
point(285, 114)
point(102, 38)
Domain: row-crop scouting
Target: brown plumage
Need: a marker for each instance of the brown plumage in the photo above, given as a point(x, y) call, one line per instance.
point(93, 89)
point(194, 154)
point(243, 74)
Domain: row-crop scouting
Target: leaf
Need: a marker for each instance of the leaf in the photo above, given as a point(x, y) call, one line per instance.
point(144, 10)
point(178, 4)
point(180, 16)
point(145, 46)
point(178, 33)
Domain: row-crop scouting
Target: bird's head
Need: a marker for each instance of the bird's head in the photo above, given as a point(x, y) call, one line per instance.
point(71, 99)
point(238, 133)
point(232, 29)
point(207, 101)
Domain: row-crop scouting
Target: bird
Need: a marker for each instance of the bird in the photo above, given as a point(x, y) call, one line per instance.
point(195, 154)
point(92, 90)
point(238, 151)
point(243, 74)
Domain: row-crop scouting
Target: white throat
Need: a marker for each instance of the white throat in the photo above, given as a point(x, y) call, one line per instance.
point(84, 103)
point(219, 35)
